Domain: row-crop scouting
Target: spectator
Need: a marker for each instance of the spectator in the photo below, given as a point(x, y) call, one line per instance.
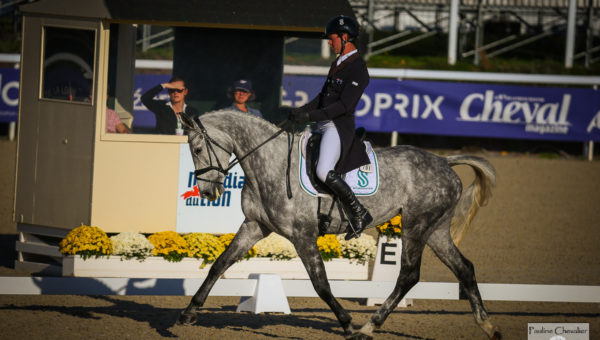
point(241, 92)
point(114, 123)
point(167, 112)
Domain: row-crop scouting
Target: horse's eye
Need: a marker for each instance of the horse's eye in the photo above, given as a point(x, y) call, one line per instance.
point(197, 151)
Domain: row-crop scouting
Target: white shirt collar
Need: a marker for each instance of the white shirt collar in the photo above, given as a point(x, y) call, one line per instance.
point(171, 106)
point(345, 56)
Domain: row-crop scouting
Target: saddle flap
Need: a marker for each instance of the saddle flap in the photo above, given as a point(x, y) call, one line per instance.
point(364, 181)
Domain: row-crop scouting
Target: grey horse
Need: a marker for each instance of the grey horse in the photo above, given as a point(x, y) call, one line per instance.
point(421, 185)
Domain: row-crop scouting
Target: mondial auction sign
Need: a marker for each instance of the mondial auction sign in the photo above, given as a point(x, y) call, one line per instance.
point(196, 214)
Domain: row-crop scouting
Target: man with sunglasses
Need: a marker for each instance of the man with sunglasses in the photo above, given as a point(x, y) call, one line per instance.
point(167, 112)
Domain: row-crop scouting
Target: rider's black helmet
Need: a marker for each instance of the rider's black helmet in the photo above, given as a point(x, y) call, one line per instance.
point(342, 24)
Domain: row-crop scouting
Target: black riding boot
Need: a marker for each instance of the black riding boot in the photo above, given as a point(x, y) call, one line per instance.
point(357, 214)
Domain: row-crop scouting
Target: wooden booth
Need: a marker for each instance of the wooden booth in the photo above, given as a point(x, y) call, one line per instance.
point(76, 54)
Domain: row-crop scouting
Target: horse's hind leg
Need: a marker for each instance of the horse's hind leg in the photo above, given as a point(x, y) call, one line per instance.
point(313, 262)
point(410, 270)
point(442, 245)
point(248, 234)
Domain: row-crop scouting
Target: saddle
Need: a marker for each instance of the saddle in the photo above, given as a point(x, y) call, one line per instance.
point(313, 145)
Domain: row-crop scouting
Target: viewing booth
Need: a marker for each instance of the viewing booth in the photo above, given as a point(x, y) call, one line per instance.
point(78, 57)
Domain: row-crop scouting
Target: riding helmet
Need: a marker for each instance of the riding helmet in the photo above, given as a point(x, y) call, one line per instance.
point(342, 24)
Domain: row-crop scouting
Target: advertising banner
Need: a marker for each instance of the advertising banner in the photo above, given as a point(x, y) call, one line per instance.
point(467, 109)
point(9, 95)
point(418, 107)
point(196, 214)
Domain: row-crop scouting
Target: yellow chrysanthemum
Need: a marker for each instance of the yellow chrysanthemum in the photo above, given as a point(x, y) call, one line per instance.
point(204, 246)
point(86, 241)
point(329, 247)
point(226, 239)
point(392, 228)
point(169, 245)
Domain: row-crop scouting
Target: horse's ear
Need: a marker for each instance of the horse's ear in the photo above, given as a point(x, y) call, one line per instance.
point(188, 122)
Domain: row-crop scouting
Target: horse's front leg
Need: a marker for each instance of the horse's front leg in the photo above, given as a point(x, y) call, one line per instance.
point(248, 234)
point(311, 258)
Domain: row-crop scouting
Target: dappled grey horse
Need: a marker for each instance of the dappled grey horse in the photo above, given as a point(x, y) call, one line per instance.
point(419, 184)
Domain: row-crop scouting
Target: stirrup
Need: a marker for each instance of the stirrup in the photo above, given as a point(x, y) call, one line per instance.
point(367, 218)
point(352, 233)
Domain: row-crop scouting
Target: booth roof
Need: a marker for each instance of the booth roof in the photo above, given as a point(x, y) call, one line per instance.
point(301, 16)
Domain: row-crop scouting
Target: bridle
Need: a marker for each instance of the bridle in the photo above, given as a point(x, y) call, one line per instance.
point(209, 142)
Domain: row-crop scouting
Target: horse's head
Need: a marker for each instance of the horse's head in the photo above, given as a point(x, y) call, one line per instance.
point(211, 159)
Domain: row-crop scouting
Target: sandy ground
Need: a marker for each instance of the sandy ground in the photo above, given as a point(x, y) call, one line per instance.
point(541, 227)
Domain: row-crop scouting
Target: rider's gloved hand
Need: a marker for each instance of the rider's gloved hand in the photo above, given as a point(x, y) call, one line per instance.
point(299, 115)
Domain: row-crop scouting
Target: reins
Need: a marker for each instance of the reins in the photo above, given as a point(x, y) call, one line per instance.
point(211, 152)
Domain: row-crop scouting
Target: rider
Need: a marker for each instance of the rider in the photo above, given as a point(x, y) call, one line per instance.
point(333, 110)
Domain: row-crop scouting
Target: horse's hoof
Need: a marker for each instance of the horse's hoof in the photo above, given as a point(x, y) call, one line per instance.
point(496, 335)
point(187, 319)
point(359, 336)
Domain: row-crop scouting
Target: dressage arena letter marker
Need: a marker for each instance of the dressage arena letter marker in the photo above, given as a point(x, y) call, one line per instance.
point(384, 253)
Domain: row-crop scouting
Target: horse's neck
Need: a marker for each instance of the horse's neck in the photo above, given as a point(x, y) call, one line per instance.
point(246, 133)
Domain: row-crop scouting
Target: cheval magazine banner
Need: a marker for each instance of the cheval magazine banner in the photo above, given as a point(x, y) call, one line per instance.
point(467, 109)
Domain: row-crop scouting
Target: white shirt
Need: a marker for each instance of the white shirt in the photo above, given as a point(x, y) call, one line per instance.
point(345, 56)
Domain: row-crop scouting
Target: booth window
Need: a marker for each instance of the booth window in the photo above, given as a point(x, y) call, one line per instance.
point(68, 64)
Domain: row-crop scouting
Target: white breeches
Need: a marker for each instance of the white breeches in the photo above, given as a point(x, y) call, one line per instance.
point(330, 150)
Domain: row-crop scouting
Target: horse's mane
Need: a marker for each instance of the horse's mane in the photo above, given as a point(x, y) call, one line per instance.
point(236, 116)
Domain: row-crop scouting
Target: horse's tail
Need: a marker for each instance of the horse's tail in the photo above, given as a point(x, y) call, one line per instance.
point(475, 196)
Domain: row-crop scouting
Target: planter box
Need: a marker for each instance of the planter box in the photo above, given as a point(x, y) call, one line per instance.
point(337, 269)
point(151, 267)
point(157, 267)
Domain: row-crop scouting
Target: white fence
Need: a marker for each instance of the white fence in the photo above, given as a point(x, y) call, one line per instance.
point(292, 288)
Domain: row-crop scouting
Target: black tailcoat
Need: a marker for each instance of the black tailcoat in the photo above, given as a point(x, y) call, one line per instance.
point(337, 100)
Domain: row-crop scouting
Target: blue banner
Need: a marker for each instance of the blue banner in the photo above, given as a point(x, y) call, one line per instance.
point(467, 109)
point(419, 107)
point(9, 95)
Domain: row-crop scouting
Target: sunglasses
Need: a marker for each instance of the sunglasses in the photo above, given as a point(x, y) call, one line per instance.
point(175, 90)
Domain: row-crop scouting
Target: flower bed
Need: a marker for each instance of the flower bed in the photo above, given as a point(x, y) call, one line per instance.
point(90, 252)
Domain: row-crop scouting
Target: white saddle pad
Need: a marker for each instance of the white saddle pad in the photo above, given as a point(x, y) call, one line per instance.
point(364, 181)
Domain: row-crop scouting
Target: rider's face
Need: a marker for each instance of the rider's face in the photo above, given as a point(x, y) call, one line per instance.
point(336, 43)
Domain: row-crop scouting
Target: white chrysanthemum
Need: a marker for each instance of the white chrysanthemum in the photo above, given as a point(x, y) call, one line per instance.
point(360, 249)
point(275, 246)
point(131, 244)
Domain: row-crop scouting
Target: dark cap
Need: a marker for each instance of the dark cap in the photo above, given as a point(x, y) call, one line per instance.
point(241, 84)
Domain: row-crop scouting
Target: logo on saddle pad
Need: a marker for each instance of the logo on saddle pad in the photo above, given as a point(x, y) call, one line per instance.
point(364, 181)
